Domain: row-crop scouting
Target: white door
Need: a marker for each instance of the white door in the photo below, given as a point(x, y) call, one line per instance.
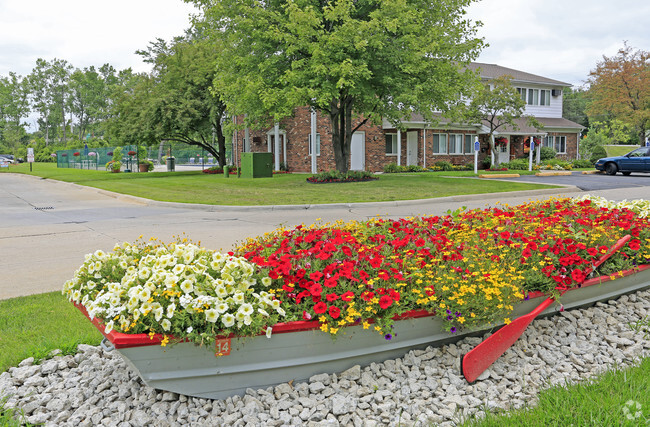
point(503, 152)
point(357, 151)
point(411, 148)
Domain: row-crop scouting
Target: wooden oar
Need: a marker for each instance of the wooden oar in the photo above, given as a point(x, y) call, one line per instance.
point(483, 355)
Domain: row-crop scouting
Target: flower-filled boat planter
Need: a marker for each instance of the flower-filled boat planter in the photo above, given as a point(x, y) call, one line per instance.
point(299, 350)
point(321, 299)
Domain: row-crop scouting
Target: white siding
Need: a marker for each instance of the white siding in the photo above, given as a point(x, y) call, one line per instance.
point(554, 110)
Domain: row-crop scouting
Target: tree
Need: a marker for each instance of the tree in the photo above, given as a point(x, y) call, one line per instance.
point(353, 60)
point(620, 89)
point(497, 105)
point(90, 96)
point(574, 105)
point(48, 85)
point(14, 107)
point(175, 102)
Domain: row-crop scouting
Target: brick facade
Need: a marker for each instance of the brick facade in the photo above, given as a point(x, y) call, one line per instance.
point(298, 128)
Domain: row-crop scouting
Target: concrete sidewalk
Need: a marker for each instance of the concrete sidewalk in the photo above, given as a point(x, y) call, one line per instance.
point(46, 227)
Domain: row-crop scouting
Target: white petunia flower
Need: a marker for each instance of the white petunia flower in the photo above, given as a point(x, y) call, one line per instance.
point(247, 309)
point(211, 315)
point(222, 307)
point(187, 286)
point(228, 320)
point(166, 324)
point(266, 281)
point(269, 330)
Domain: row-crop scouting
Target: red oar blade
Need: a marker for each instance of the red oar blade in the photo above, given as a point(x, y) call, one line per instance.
point(483, 355)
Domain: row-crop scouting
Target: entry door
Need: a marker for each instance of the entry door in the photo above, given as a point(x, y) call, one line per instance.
point(357, 151)
point(503, 153)
point(411, 148)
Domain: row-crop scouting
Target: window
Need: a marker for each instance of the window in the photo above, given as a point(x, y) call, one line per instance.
point(522, 93)
point(317, 144)
point(439, 143)
point(548, 141)
point(455, 144)
point(535, 96)
point(469, 144)
point(391, 144)
point(544, 97)
point(560, 144)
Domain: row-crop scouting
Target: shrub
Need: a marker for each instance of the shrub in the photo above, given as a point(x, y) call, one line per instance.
point(582, 163)
point(336, 176)
point(443, 166)
point(597, 153)
point(516, 164)
point(546, 153)
point(391, 168)
point(486, 162)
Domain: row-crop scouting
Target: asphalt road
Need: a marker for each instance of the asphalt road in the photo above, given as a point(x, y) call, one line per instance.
point(592, 182)
point(46, 227)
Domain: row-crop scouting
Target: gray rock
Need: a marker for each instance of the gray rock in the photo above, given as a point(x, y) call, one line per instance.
point(352, 374)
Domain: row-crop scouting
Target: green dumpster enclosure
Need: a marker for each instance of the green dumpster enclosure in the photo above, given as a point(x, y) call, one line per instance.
point(256, 165)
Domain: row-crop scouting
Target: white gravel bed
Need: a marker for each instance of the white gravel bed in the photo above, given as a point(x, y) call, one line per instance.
point(424, 387)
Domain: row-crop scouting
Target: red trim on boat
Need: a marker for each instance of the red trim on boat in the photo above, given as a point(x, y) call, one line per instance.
point(121, 340)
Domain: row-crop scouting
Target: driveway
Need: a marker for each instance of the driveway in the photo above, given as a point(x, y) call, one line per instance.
point(46, 227)
point(592, 182)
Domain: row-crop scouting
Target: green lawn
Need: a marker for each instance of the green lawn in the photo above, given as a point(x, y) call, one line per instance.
point(35, 325)
point(619, 150)
point(591, 403)
point(284, 189)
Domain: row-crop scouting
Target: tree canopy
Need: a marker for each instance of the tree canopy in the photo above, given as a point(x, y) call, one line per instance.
point(620, 89)
point(354, 60)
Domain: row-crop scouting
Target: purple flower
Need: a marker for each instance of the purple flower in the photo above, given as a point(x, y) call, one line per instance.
point(527, 297)
point(388, 337)
point(457, 314)
point(453, 330)
point(449, 317)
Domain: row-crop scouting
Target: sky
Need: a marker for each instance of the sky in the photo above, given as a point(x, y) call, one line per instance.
point(558, 39)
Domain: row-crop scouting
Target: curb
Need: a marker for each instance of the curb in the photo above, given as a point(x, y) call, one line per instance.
point(226, 208)
point(557, 173)
point(501, 175)
point(594, 172)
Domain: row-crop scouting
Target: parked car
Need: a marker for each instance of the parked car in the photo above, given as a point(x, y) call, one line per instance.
point(7, 157)
point(635, 161)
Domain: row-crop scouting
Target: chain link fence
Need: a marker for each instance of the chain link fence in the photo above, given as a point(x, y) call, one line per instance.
point(97, 158)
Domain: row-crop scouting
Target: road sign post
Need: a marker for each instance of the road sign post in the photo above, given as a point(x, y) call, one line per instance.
point(30, 157)
point(530, 154)
point(477, 147)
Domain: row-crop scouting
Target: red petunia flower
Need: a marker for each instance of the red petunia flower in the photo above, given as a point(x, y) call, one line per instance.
point(385, 302)
point(635, 244)
point(347, 296)
point(578, 275)
point(335, 312)
point(332, 297)
point(320, 307)
point(367, 296)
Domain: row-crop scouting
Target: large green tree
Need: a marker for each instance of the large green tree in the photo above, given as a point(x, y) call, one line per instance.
point(354, 60)
point(175, 102)
point(620, 89)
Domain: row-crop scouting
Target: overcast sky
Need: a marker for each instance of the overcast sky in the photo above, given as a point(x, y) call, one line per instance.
point(559, 39)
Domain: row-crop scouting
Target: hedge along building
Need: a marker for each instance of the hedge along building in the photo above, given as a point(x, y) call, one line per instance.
point(422, 143)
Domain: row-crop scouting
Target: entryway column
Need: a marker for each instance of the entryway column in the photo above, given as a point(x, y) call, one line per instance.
point(314, 166)
point(399, 147)
point(277, 146)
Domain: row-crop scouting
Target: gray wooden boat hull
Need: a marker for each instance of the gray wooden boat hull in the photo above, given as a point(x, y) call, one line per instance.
point(259, 362)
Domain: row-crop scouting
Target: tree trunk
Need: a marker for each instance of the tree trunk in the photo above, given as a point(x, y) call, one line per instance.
point(340, 118)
